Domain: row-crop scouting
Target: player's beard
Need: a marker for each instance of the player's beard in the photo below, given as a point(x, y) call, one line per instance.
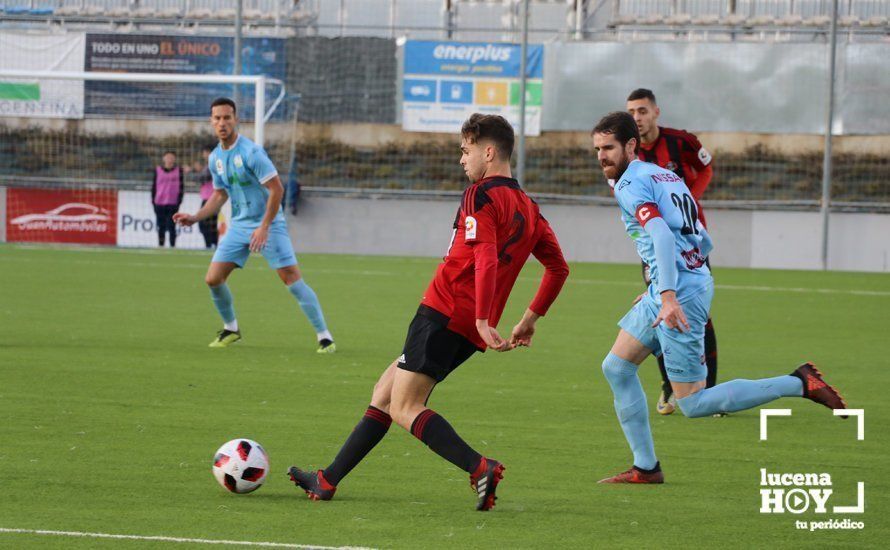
point(618, 168)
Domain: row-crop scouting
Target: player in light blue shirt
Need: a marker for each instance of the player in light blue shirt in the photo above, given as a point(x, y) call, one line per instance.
point(661, 217)
point(243, 173)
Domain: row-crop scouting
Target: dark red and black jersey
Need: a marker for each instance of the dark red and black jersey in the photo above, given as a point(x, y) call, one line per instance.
point(496, 228)
point(680, 152)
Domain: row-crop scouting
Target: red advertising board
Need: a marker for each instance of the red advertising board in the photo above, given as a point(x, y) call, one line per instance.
point(61, 216)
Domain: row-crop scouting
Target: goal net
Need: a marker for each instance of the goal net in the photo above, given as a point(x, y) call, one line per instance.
point(83, 152)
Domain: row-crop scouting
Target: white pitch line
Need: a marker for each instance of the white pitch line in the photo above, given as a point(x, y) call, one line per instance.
point(176, 539)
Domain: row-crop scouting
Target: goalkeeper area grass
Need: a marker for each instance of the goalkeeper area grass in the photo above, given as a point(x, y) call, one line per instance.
point(112, 405)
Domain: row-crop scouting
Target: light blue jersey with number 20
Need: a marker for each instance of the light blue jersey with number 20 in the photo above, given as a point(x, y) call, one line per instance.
point(646, 191)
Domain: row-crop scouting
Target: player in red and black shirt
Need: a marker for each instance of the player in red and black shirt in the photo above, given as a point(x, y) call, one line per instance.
point(496, 229)
point(682, 153)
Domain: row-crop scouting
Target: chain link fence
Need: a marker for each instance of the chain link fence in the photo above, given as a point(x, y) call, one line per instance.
point(343, 59)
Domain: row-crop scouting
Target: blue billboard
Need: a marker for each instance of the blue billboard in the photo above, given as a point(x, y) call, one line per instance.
point(445, 82)
point(180, 55)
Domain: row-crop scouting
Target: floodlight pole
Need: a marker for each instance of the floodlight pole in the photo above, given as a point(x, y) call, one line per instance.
point(829, 123)
point(523, 62)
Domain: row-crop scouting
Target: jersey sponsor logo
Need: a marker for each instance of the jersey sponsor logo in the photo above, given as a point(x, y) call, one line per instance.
point(693, 258)
point(470, 227)
point(666, 177)
point(401, 359)
point(620, 185)
point(238, 161)
point(220, 169)
point(646, 212)
point(704, 156)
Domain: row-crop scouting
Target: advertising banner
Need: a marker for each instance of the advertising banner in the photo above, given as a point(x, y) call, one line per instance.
point(131, 53)
point(445, 82)
point(61, 216)
point(137, 225)
point(41, 52)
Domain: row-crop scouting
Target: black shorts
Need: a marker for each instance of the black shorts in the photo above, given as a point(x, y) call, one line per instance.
point(431, 348)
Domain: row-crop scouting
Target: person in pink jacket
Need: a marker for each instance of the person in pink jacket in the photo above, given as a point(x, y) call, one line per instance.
point(166, 196)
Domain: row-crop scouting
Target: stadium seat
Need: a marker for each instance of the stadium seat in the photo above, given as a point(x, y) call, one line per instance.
point(226, 13)
point(92, 10)
point(817, 21)
point(790, 20)
point(734, 20)
point(144, 12)
point(624, 20)
point(875, 21)
point(68, 10)
point(170, 13)
point(706, 19)
point(848, 21)
point(117, 12)
point(651, 19)
point(199, 13)
point(300, 15)
point(761, 21)
point(253, 14)
point(678, 19)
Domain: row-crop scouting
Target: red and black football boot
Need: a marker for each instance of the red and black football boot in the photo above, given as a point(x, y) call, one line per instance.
point(314, 483)
point(815, 388)
point(635, 475)
point(484, 481)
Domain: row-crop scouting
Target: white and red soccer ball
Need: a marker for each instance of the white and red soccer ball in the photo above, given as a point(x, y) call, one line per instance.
point(241, 465)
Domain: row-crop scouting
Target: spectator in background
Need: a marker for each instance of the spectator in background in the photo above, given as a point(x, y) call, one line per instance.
point(166, 196)
point(204, 179)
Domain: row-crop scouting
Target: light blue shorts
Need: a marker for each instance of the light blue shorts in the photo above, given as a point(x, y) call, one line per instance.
point(683, 352)
point(235, 247)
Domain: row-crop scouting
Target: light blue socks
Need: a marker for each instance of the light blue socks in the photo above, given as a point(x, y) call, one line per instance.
point(222, 299)
point(630, 405)
point(738, 395)
point(308, 301)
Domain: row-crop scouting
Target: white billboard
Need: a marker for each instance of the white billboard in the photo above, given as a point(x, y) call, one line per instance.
point(136, 224)
point(41, 52)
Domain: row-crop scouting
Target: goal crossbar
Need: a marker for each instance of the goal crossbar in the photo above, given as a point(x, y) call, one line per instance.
point(258, 81)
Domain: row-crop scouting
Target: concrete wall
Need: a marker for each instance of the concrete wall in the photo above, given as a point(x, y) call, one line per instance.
point(413, 227)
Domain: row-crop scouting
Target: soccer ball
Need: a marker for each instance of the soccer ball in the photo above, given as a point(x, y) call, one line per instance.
point(241, 465)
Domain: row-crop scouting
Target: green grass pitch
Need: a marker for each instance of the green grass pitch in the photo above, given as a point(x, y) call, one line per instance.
point(111, 407)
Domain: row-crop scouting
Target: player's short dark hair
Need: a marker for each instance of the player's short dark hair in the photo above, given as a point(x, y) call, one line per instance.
point(642, 93)
point(491, 127)
point(169, 152)
point(223, 101)
point(621, 124)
